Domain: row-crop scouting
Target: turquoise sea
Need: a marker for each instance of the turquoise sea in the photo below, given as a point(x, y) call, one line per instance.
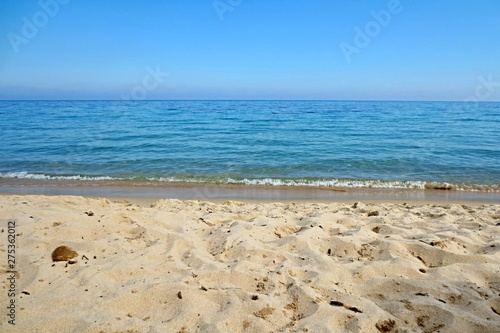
point(450, 145)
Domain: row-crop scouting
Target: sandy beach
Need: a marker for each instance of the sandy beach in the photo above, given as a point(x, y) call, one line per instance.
point(195, 266)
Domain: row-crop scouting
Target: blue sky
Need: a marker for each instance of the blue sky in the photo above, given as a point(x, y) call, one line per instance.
point(250, 49)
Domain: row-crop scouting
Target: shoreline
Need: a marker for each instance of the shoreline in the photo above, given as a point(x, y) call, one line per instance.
point(152, 192)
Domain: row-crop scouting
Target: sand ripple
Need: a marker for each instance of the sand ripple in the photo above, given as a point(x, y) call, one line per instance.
point(192, 266)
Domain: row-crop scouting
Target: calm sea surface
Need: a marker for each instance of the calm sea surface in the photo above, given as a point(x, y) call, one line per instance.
point(317, 143)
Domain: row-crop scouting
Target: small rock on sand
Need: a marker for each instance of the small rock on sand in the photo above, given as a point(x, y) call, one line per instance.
point(63, 253)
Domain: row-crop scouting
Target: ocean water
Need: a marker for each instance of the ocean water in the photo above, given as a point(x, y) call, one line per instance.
point(296, 143)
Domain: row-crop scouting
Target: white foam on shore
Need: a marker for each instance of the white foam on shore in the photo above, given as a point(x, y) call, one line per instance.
point(302, 182)
point(26, 175)
point(348, 183)
point(332, 183)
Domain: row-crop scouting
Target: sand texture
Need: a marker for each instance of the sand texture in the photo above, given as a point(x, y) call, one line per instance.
point(193, 266)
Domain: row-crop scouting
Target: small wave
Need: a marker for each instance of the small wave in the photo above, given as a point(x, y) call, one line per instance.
point(297, 182)
point(26, 175)
point(334, 183)
point(331, 183)
point(321, 183)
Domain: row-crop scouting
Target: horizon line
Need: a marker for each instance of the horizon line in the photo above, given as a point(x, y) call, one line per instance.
point(246, 100)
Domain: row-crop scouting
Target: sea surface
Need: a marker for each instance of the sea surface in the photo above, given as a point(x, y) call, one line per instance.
point(450, 145)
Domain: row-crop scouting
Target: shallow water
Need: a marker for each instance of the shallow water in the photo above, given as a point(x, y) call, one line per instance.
point(295, 143)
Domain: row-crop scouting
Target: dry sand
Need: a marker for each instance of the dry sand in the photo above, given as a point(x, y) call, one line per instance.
point(192, 266)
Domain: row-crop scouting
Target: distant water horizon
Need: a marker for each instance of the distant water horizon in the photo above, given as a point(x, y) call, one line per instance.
point(255, 100)
point(317, 143)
